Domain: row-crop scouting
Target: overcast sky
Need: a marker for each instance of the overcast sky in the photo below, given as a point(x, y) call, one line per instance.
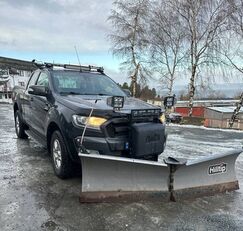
point(48, 30)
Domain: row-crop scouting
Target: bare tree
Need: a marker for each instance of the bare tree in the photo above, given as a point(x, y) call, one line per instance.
point(166, 37)
point(232, 49)
point(128, 38)
point(204, 22)
point(232, 57)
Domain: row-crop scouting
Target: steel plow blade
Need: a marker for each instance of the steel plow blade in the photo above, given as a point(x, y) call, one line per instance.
point(111, 179)
point(108, 178)
point(205, 176)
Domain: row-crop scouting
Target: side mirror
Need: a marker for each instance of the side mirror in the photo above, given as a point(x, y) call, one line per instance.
point(127, 92)
point(38, 90)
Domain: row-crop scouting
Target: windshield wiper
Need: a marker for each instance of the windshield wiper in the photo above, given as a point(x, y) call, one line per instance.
point(70, 93)
point(101, 94)
point(79, 93)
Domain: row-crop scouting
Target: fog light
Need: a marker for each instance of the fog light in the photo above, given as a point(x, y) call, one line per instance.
point(116, 102)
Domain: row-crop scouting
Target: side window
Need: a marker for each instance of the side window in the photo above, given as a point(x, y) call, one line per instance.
point(33, 78)
point(43, 80)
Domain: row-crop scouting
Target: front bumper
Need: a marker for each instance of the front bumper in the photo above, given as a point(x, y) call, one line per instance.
point(107, 146)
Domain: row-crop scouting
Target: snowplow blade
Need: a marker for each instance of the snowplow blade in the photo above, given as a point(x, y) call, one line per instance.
point(109, 178)
point(206, 176)
point(118, 179)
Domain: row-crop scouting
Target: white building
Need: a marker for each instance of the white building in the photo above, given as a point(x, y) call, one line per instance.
point(13, 73)
point(13, 80)
point(9, 81)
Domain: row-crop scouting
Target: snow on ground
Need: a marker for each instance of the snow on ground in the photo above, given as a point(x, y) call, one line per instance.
point(33, 198)
point(191, 142)
point(202, 127)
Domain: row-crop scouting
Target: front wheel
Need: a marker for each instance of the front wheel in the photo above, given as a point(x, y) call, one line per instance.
point(62, 164)
point(19, 126)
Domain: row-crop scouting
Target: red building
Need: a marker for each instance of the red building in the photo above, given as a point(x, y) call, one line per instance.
point(200, 105)
point(196, 112)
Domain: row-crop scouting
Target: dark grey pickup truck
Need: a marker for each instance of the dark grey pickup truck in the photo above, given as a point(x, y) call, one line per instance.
point(72, 109)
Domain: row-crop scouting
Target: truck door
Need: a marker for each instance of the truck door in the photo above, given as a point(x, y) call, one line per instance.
point(40, 106)
point(26, 100)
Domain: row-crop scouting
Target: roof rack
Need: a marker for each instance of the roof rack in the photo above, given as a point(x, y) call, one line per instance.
point(69, 66)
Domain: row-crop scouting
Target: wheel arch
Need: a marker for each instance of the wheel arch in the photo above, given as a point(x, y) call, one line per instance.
point(51, 128)
point(16, 107)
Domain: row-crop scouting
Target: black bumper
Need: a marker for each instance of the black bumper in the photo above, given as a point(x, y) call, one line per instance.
point(105, 146)
point(143, 139)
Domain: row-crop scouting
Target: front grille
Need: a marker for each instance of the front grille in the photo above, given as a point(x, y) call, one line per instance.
point(117, 127)
point(121, 126)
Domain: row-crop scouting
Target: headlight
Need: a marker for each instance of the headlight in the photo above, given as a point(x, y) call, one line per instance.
point(162, 118)
point(93, 121)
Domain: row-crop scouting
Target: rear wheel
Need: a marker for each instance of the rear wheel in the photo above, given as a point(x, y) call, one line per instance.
point(62, 164)
point(19, 126)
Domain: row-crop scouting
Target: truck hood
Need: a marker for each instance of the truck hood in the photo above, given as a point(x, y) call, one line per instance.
point(77, 102)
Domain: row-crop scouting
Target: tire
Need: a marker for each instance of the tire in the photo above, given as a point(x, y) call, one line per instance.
point(19, 126)
point(62, 164)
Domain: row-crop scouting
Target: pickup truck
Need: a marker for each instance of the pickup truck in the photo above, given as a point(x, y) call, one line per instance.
point(71, 109)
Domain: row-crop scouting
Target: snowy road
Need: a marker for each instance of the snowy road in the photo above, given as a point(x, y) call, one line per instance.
point(32, 198)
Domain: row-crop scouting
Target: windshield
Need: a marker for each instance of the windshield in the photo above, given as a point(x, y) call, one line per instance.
point(73, 82)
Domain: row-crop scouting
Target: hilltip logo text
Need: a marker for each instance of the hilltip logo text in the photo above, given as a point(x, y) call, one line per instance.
point(217, 169)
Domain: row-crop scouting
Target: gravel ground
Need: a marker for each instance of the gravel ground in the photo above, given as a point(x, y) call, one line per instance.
point(32, 198)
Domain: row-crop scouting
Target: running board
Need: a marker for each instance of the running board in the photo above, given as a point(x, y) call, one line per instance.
point(36, 137)
point(117, 179)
